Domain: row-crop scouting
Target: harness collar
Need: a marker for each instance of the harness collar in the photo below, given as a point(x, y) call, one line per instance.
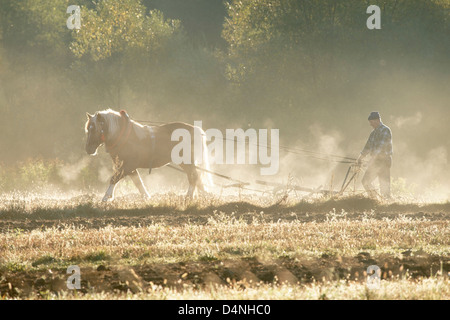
point(123, 135)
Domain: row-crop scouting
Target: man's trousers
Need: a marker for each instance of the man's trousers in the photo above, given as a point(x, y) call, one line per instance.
point(379, 167)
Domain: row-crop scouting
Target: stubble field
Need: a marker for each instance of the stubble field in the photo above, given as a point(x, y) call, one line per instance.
point(246, 247)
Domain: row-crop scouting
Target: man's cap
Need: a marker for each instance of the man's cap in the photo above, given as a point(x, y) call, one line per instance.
point(374, 115)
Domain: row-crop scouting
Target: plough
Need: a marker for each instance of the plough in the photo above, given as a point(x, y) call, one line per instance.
point(352, 172)
point(354, 168)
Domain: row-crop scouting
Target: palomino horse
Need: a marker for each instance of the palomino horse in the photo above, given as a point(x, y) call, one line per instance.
point(133, 145)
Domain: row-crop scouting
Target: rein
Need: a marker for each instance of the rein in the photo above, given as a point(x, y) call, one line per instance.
point(301, 152)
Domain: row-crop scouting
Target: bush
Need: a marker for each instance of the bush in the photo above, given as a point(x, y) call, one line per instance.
point(36, 174)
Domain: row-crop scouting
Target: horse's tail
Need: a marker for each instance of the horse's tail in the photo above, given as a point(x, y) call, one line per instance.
point(205, 176)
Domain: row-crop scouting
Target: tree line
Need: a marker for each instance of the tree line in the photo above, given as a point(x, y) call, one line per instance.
point(260, 63)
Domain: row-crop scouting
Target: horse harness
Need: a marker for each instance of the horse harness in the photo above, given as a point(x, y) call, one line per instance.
point(123, 135)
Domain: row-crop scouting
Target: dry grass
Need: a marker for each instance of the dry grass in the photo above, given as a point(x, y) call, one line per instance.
point(173, 231)
point(221, 236)
point(423, 289)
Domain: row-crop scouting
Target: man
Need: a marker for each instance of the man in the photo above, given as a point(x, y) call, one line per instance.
point(379, 147)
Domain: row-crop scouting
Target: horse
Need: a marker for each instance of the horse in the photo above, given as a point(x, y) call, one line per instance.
point(133, 145)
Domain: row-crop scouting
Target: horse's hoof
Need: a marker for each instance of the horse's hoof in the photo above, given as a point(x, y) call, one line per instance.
point(107, 199)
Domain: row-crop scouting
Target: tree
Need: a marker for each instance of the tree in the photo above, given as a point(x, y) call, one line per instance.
point(118, 26)
point(316, 59)
point(37, 24)
point(115, 34)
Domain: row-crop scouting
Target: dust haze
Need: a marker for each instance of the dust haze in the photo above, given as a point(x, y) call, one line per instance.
point(316, 81)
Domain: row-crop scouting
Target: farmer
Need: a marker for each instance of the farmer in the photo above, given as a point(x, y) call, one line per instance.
point(379, 147)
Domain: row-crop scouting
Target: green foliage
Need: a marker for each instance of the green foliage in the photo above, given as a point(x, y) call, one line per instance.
point(37, 174)
point(14, 267)
point(315, 60)
point(309, 37)
point(44, 260)
point(117, 26)
point(286, 63)
point(29, 174)
point(97, 256)
point(261, 30)
point(400, 188)
point(88, 176)
point(38, 24)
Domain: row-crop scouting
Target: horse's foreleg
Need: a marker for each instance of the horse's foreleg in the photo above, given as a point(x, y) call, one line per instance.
point(109, 195)
point(139, 184)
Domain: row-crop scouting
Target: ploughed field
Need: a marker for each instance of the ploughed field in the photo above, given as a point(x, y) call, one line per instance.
point(227, 247)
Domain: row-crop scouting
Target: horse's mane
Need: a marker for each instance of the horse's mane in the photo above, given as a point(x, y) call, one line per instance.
point(112, 120)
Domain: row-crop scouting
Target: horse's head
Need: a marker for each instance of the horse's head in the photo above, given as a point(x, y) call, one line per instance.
point(95, 130)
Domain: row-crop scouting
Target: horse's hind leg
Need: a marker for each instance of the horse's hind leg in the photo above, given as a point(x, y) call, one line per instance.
point(139, 184)
point(200, 186)
point(193, 179)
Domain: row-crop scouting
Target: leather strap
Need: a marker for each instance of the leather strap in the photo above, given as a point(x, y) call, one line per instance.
point(153, 143)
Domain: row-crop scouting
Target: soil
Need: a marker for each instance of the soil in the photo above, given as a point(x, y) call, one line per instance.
point(241, 271)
